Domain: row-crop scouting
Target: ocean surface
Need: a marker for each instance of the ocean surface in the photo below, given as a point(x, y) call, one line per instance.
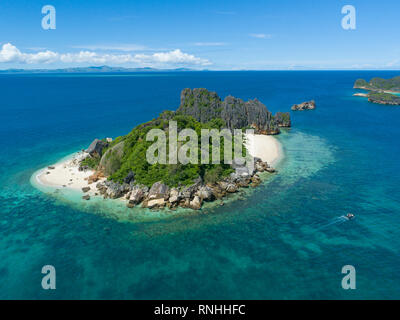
point(286, 240)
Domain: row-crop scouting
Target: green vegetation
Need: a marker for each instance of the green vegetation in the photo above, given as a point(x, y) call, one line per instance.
point(91, 162)
point(213, 174)
point(118, 163)
point(285, 117)
point(384, 98)
point(360, 83)
point(112, 158)
point(380, 84)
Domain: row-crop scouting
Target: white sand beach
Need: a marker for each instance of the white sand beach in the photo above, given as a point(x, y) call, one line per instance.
point(267, 148)
point(360, 94)
point(66, 174)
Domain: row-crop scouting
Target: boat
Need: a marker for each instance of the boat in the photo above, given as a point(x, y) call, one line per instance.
point(350, 216)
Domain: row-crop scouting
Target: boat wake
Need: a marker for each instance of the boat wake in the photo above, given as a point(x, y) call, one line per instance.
point(335, 221)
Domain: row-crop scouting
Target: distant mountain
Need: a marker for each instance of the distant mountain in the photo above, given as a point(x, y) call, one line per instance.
point(100, 69)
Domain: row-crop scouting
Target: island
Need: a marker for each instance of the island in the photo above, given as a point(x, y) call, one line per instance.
point(118, 168)
point(381, 90)
point(308, 105)
point(379, 84)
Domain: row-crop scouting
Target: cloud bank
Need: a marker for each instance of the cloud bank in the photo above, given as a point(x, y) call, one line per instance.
point(11, 54)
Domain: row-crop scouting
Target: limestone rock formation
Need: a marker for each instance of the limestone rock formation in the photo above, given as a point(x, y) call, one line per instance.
point(204, 106)
point(96, 147)
point(205, 193)
point(136, 196)
point(195, 203)
point(308, 105)
point(158, 191)
point(174, 196)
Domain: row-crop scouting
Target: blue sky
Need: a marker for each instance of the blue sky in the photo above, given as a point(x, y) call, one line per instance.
point(221, 35)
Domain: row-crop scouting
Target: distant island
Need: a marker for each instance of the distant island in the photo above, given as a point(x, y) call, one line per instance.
point(379, 84)
point(118, 169)
point(92, 69)
point(381, 90)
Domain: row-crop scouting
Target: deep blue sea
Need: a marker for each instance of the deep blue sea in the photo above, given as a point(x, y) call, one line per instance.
point(285, 241)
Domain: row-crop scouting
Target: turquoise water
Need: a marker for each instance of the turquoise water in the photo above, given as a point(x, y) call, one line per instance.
point(286, 240)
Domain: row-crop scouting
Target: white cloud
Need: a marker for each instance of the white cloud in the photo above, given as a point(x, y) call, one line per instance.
point(11, 54)
point(175, 56)
point(260, 35)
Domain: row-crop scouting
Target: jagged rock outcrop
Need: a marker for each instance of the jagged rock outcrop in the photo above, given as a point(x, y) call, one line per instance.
point(204, 106)
point(201, 104)
point(174, 196)
point(115, 190)
point(136, 195)
point(205, 193)
point(158, 191)
point(96, 147)
point(308, 105)
point(241, 170)
point(195, 203)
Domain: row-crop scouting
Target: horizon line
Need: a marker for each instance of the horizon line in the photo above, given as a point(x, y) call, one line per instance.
point(182, 69)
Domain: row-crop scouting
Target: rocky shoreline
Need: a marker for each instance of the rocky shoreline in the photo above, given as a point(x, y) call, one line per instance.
point(161, 196)
point(380, 98)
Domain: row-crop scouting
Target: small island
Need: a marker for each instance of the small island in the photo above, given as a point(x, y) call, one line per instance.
point(308, 105)
point(381, 90)
point(118, 168)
